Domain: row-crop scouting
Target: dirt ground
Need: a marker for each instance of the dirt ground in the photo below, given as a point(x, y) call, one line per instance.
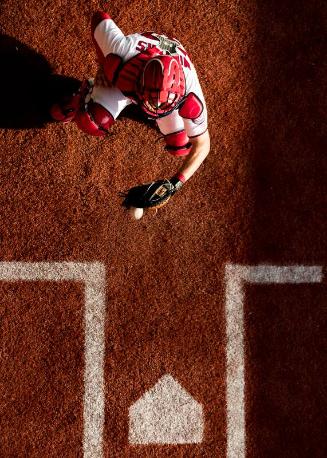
point(259, 198)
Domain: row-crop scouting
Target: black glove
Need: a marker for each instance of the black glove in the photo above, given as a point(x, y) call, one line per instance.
point(152, 195)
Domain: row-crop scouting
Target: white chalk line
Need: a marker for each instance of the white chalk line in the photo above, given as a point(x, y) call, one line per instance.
point(235, 277)
point(92, 274)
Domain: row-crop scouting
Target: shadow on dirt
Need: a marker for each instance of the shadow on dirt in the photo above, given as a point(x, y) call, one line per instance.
point(135, 113)
point(29, 87)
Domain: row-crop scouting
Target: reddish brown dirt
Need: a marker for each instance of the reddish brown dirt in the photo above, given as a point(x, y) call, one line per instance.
point(41, 369)
point(259, 197)
point(286, 392)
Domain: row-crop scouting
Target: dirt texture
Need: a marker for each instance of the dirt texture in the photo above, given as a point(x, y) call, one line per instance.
point(259, 198)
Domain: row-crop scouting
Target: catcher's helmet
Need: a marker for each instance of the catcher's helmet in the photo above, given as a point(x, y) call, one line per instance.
point(161, 86)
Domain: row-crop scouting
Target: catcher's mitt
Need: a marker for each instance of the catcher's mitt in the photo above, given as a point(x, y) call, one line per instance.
point(150, 195)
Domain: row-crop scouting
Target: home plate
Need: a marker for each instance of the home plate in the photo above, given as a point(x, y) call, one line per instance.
point(166, 414)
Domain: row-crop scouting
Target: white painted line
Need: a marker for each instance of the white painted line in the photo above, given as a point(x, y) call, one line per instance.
point(283, 274)
point(235, 363)
point(235, 277)
point(166, 414)
point(94, 277)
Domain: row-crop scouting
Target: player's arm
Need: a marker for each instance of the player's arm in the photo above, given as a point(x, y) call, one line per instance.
point(185, 138)
point(199, 151)
point(158, 193)
point(190, 137)
point(107, 37)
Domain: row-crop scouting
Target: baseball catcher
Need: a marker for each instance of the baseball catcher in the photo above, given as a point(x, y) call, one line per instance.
point(156, 73)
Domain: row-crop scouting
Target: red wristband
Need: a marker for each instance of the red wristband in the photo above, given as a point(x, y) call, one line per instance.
point(180, 177)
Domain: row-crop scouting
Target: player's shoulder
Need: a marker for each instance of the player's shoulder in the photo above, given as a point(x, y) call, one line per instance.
point(144, 40)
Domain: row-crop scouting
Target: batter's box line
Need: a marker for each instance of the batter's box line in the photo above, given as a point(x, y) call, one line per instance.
point(93, 276)
point(236, 276)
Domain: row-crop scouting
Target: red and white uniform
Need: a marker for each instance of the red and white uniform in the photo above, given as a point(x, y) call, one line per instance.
point(123, 59)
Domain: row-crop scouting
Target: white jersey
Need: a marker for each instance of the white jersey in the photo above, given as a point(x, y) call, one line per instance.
point(111, 40)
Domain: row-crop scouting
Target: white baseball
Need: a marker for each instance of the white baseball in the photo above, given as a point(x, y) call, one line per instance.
point(137, 213)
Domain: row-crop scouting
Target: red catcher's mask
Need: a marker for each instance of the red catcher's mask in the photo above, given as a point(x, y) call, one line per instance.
point(161, 86)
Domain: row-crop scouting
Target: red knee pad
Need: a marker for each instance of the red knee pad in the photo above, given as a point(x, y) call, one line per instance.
point(178, 143)
point(65, 110)
point(62, 113)
point(94, 120)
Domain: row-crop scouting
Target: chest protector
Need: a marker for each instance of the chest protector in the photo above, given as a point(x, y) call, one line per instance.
point(125, 75)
